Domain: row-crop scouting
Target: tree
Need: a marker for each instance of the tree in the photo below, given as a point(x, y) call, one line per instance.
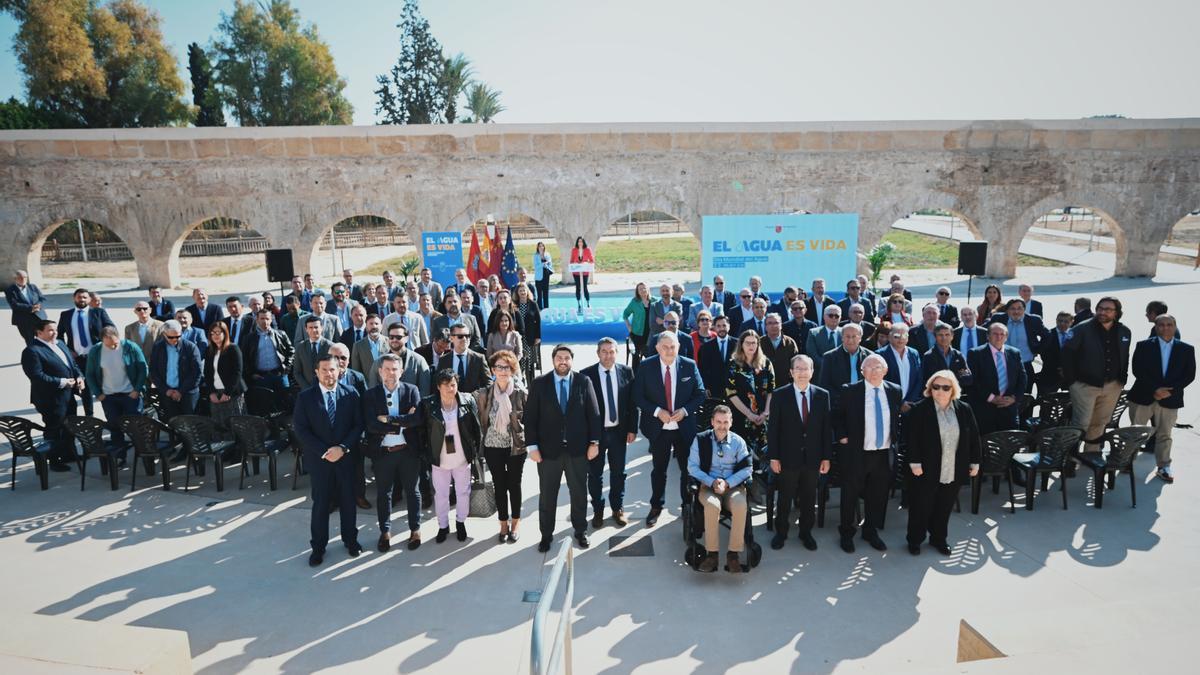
point(209, 112)
point(456, 77)
point(89, 65)
point(878, 258)
point(16, 114)
point(414, 90)
point(272, 71)
point(484, 103)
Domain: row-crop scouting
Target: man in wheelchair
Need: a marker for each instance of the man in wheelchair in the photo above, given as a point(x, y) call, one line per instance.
point(720, 463)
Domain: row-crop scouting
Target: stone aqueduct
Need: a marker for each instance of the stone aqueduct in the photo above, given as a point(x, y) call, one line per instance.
point(152, 186)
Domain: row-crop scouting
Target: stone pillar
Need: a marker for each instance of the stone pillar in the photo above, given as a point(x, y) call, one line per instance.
point(156, 268)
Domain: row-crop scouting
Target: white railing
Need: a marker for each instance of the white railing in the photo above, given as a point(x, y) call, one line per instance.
point(557, 657)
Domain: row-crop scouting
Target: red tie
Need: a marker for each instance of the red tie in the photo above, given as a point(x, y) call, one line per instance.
point(667, 387)
point(804, 407)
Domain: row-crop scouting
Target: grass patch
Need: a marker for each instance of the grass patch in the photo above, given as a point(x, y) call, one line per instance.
point(917, 251)
point(393, 264)
point(232, 270)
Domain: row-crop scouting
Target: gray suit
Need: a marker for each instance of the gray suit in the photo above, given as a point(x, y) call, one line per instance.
point(819, 342)
point(469, 321)
point(331, 328)
point(361, 357)
point(153, 328)
point(304, 364)
point(434, 289)
point(416, 371)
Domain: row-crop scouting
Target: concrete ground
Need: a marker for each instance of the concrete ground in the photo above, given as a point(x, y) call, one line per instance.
point(1099, 590)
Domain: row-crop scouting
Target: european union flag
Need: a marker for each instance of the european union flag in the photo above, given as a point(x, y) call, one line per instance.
point(508, 271)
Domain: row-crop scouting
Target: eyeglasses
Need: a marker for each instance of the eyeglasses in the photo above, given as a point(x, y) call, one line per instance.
point(171, 337)
point(459, 336)
point(342, 359)
point(943, 293)
point(670, 323)
point(141, 309)
point(502, 369)
point(941, 387)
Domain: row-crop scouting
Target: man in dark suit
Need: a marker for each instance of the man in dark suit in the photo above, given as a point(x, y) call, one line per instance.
point(1163, 366)
point(800, 443)
point(844, 363)
point(1083, 310)
point(1025, 334)
point(267, 358)
point(1025, 292)
point(921, 336)
point(816, 304)
point(470, 307)
point(1050, 379)
point(866, 435)
point(27, 303)
point(239, 323)
point(307, 352)
point(455, 316)
point(80, 328)
point(825, 337)
point(176, 369)
point(715, 356)
point(783, 308)
point(857, 312)
point(612, 384)
point(903, 367)
point(671, 325)
point(461, 282)
point(327, 424)
point(943, 356)
point(437, 354)
point(470, 366)
point(726, 298)
point(999, 381)
point(685, 306)
point(777, 347)
point(204, 314)
point(392, 414)
point(347, 375)
point(799, 327)
point(668, 391)
point(947, 313)
point(968, 335)
point(54, 377)
point(854, 296)
point(562, 434)
point(352, 289)
point(160, 307)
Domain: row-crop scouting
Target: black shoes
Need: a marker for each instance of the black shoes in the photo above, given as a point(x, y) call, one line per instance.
point(354, 549)
point(809, 542)
point(652, 517)
point(513, 536)
point(442, 534)
point(59, 467)
point(914, 549)
point(619, 518)
point(941, 548)
point(598, 519)
point(543, 546)
point(848, 544)
point(582, 540)
point(875, 542)
point(315, 558)
point(777, 541)
point(385, 543)
point(460, 531)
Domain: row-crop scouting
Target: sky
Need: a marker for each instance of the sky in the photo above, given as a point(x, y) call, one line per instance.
point(760, 61)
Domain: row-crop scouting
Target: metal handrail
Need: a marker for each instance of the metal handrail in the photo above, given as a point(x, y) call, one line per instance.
point(558, 660)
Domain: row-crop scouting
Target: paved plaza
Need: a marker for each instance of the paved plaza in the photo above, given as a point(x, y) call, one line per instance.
point(1082, 589)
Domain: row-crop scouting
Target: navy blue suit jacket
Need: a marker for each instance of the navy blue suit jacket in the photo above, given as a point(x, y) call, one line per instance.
point(310, 422)
point(97, 319)
point(1035, 329)
point(987, 381)
point(44, 370)
point(22, 311)
point(1148, 372)
point(164, 311)
point(374, 404)
point(623, 382)
point(916, 384)
point(207, 318)
point(849, 421)
point(648, 394)
point(191, 367)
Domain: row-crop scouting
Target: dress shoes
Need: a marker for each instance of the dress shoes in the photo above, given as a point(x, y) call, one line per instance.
point(460, 531)
point(808, 541)
point(362, 503)
point(875, 542)
point(414, 541)
point(848, 544)
point(732, 564)
point(652, 517)
point(620, 519)
point(513, 536)
point(442, 534)
point(778, 541)
point(354, 549)
point(60, 467)
point(598, 519)
point(709, 564)
point(316, 558)
point(385, 543)
point(543, 546)
point(941, 548)
point(582, 539)
point(914, 549)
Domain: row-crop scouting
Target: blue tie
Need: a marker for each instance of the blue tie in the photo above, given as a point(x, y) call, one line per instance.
point(462, 367)
point(968, 339)
point(82, 329)
point(562, 395)
point(1001, 372)
point(612, 404)
point(878, 420)
point(330, 407)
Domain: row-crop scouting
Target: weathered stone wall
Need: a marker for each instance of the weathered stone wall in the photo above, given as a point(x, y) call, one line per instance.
point(152, 186)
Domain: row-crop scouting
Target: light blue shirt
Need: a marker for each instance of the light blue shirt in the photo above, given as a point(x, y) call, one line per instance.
point(726, 454)
point(173, 365)
point(392, 398)
point(266, 360)
point(1017, 338)
point(1164, 348)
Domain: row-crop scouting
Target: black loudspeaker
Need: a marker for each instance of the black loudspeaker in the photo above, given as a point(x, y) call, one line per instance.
point(972, 257)
point(279, 265)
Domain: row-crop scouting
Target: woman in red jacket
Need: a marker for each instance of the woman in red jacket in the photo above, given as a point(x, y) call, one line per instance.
point(582, 254)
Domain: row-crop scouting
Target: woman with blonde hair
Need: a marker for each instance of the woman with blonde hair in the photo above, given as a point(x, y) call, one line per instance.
point(944, 452)
point(501, 407)
point(748, 388)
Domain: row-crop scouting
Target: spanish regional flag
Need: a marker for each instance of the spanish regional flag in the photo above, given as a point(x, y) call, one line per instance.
point(495, 249)
point(475, 270)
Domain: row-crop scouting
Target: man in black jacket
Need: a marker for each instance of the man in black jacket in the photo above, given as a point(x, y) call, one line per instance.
point(1050, 377)
point(392, 414)
point(998, 382)
point(943, 356)
point(1095, 368)
point(800, 446)
point(715, 356)
point(267, 358)
point(80, 328)
point(798, 327)
point(27, 303)
point(843, 363)
point(1163, 366)
point(562, 434)
point(54, 377)
point(612, 383)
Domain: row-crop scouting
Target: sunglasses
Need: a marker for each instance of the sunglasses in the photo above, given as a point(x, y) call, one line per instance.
point(744, 297)
point(395, 337)
point(943, 293)
point(705, 320)
point(141, 309)
point(171, 337)
point(459, 337)
point(670, 323)
point(941, 387)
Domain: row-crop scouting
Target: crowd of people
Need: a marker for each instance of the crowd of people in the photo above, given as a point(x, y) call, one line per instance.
point(437, 384)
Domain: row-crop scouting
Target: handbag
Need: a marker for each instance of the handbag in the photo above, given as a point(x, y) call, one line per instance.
point(483, 493)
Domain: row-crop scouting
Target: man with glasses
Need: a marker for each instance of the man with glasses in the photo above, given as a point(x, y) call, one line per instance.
point(741, 316)
point(798, 327)
point(468, 364)
point(454, 316)
point(843, 365)
point(267, 357)
point(342, 303)
point(947, 313)
point(783, 308)
point(190, 333)
point(414, 369)
point(436, 354)
point(854, 296)
point(658, 312)
point(671, 325)
point(176, 368)
point(826, 337)
point(854, 315)
point(1095, 369)
point(144, 331)
point(726, 299)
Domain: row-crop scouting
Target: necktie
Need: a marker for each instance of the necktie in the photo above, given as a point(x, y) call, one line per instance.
point(612, 403)
point(722, 342)
point(81, 329)
point(330, 407)
point(760, 328)
point(878, 420)
point(1062, 339)
point(237, 327)
point(462, 367)
point(804, 406)
point(854, 368)
point(357, 334)
point(1001, 372)
point(968, 339)
point(562, 395)
point(667, 389)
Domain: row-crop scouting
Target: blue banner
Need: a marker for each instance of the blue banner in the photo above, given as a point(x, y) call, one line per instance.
point(442, 253)
point(785, 250)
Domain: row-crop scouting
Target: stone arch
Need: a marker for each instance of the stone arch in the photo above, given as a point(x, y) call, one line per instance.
point(189, 233)
point(69, 252)
point(1109, 212)
point(1185, 236)
point(317, 221)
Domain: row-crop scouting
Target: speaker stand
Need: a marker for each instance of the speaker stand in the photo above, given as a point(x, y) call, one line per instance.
point(970, 278)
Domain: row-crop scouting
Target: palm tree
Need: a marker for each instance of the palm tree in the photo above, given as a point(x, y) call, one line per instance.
point(456, 76)
point(484, 103)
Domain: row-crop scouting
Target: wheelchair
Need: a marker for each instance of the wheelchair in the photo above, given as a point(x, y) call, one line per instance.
point(693, 530)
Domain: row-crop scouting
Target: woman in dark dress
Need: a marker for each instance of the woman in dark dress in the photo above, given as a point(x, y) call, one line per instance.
point(222, 384)
point(751, 381)
point(531, 337)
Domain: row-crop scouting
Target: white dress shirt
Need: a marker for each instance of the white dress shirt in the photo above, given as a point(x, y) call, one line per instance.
point(904, 367)
point(869, 440)
point(613, 419)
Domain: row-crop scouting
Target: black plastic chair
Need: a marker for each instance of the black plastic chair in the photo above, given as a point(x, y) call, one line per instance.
point(19, 432)
point(253, 438)
point(1118, 412)
point(1123, 445)
point(1054, 410)
point(199, 440)
point(147, 435)
point(827, 482)
point(89, 431)
point(152, 404)
point(262, 401)
point(1052, 449)
point(998, 450)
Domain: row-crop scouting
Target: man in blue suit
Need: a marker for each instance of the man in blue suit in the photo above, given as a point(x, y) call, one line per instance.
point(1162, 367)
point(204, 314)
point(613, 384)
point(54, 377)
point(80, 328)
point(176, 368)
point(668, 391)
point(327, 423)
point(995, 393)
point(1026, 331)
point(904, 367)
point(27, 303)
